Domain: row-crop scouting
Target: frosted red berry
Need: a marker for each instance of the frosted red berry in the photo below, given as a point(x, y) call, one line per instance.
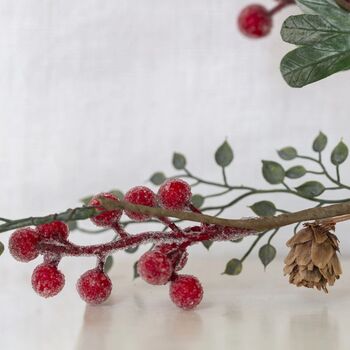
point(255, 21)
point(155, 268)
point(140, 195)
point(23, 244)
point(56, 230)
point(47, 280)
point(174, 194)
point(94, 286)
point(177, 256)
point(186, 291)
point(107, 218)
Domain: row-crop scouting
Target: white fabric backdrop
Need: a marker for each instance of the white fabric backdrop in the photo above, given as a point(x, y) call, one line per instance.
point(98, 94)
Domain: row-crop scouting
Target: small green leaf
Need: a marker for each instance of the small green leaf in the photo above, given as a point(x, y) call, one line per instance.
point(119, 194)
point(295, 172)
point(264, 208)
point(287, 153)
point(310, 189)
point(266, 254)
point(224, 155)
point(158, 178)
point(179, 161)
point(340, 153)
point(272, 172)
point(207, 244)
point(86, 200)
point(136, 273)
point(237, 240)
point(131, 250)
point(2, 248)
point(72, 225)
point(320, 142)
point(108, 263)
point(197, 200)
point(233, 267)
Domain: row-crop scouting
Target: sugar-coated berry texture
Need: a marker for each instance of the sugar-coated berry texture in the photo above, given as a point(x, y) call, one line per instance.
point(94, 286)
point(109, 217)
point(254, 21)
point(174, 194)
point(186, 291)
point(140, 195)
point(54, 230)
point(177, 257)
point(155, 268)
point(23, 244)
point(47, 280)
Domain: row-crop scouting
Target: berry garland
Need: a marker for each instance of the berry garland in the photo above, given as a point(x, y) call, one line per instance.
point(168, 255)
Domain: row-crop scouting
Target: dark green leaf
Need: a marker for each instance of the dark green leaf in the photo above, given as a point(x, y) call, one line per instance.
point(179, 161)
point(2, 248)
point(233, 267)
point(197, 200)
point(320, 142)
point(237, 240)
point(266, 254)
point(131, 250)
point(158, 178)
point(340, 153)
point(108, 263)
point(86, 200)
point(119, 194)
point(287, 153)
point(72, 225)
point(136, 273)
point(207, 244)
point(310, 189)
point(295, 172)
point(272, 172)
point(264, 208)
point(224, 155)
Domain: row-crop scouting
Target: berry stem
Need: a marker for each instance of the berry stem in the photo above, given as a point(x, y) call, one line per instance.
point(282, 4)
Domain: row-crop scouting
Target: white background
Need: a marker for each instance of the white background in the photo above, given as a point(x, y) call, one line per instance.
point(98, 94)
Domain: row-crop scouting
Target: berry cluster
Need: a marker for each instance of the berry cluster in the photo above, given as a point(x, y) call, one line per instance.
point(255, 21)
point(158, 266)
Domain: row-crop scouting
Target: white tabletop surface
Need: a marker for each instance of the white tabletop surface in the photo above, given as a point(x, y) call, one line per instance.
point(255, 310)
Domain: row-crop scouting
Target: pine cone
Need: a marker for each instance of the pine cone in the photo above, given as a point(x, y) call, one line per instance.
point(312, 260)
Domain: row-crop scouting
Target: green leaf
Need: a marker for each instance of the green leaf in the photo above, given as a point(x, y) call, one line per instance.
point(233, 267)
point(131, 250)
point(86, 200)
point(266, 254)
point(224, 155)
point(2, 248)
point(295, 172)
point(272, 172)
point(264, 208)
point(119, 194)
point(287, 153)
point(72, 225)
point(179, 161)
point(158, 178)
point(310, 189)
point(136, 273)
point(207, 244)
point(108, 263)
point(340, 153)
point(197, 200)
point(320, 142)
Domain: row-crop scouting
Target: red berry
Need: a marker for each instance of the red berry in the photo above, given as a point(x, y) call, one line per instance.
point(47, 280)
point(143, 196)
point(255, 21)
point(23, 244)
point(109, 217)
point(186, 292)
point(177, 257)
point(155, 267)
point(54, 230)
point(174, 194)
point(94, 286)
